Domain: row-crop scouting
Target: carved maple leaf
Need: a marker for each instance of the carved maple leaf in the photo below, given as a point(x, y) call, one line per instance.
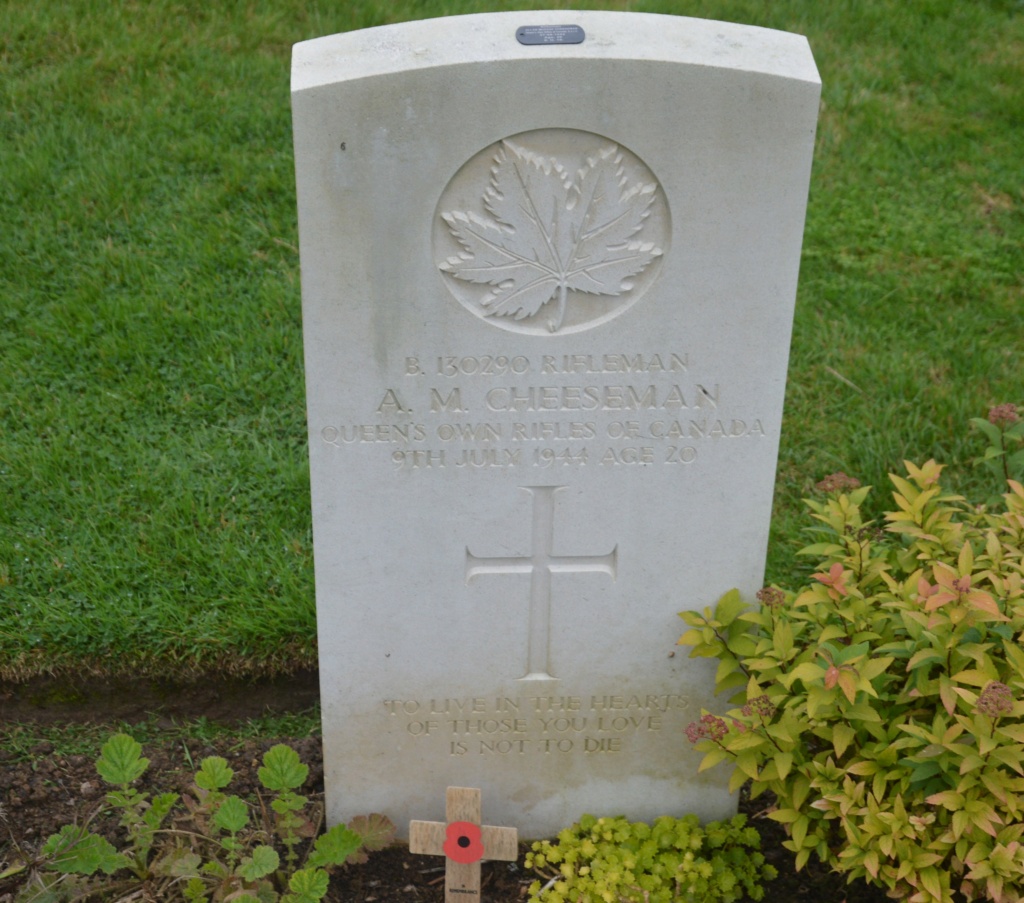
point(550, 234)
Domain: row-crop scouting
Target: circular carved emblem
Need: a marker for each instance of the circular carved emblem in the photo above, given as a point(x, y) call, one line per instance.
point(554, 230)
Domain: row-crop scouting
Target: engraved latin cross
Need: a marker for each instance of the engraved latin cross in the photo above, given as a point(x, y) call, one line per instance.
point(540, 564)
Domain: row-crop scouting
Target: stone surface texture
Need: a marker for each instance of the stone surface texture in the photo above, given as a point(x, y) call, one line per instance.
point(547, 302)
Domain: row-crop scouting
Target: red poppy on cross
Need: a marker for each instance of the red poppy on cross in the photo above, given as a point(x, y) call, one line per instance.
point(463, 841)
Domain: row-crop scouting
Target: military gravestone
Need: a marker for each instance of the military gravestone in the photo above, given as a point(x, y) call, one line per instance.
point(548, 270)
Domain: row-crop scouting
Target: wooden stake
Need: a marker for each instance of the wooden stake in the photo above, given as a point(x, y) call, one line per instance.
point(464, 842)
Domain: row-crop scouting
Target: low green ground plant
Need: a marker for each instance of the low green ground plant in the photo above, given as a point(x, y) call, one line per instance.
point(882, 702)
point(203, 846)
point(674, 859)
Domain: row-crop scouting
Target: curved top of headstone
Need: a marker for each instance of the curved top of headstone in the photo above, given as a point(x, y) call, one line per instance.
point(491, 37)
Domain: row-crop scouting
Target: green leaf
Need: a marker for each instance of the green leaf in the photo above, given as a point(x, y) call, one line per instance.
point(808, 672)
point(712, 758)
point(950, 799)
point(232, 815)
point(799, 830)
point(976, 677)
point(263, 861)
point(924, 657)
point(121, 760)
point(831, 632)
point(846, 654)
point(863, 712)
point(159, 809)
point(784, 763)
point(707, 650)
point(75, 851)
point(335, 846)
point(875, 666)
point(782, 640)
point(692, 637)
point(1016, 656)
point(970, 763)
point(1009, 758)
point(1013, 731)
point(307, 886)
point(736, 780)
point(695, 618)
point(747, 763)
point(931, 882)
point(726, 668)
point(848, 684)
point(214, 773)
point(991, 431)
point(178, 863)
point(842, 737)
point(218, 869)
point(282, 769)
point(729, 607)
point(288, 802)
point(746, 740)
point(817, 697)
point(800, 786)
point(878, 784)
point(871, 863)
point(195, 890)
point(966, 559)
point(924, 771)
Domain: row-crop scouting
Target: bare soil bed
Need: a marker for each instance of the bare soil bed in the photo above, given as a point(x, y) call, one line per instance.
point(40, 792)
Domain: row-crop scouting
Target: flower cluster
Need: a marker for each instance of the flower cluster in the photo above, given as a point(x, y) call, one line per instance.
point(995, 700)
point(837, 482)
point(1004, 415)
point(771, 597)
point(710, 727)
point(761, 706)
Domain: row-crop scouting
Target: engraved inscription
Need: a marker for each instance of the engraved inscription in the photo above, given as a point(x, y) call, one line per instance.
point(552, 230)
point(540, 565)
point(538, 724)
point(547, 412)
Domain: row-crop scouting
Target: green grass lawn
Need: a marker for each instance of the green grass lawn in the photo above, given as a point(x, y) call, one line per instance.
point(154, 496)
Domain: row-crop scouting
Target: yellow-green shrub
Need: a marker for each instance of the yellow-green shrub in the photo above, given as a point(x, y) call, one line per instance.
point(883, 702)
point(618, 861)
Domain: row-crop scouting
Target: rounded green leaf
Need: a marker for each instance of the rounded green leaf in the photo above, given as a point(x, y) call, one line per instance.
point(214, 773)
point(282, 769)
point(335, 846)
point(307, 886)
point(232, 815)
point(263, 861)
point(76, 851)
point(121, 760)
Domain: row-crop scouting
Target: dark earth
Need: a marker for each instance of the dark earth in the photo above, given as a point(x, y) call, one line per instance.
point(42, 790)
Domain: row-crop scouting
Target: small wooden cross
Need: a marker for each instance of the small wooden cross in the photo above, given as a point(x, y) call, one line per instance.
point(464, 842)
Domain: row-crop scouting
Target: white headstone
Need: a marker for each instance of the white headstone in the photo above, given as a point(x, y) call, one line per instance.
point(548, 276)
